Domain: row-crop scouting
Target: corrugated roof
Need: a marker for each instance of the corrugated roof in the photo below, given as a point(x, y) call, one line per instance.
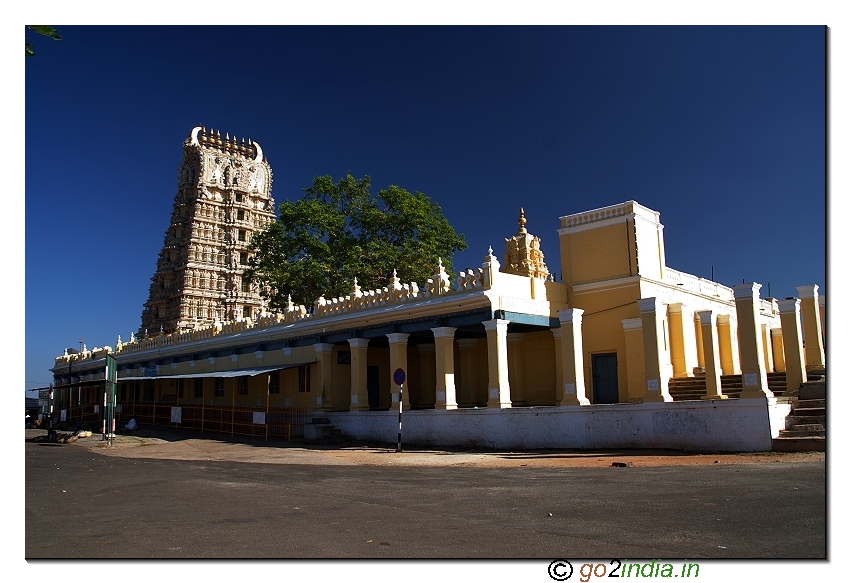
point(239, 372)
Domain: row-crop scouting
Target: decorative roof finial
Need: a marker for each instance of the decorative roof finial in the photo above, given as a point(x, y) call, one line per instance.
point(522, 220)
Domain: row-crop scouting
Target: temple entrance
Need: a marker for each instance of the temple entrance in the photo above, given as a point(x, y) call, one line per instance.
point(373, 387)
point(605, 384)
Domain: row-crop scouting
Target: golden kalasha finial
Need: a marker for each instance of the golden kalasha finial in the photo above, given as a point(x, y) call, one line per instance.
point(522, 221)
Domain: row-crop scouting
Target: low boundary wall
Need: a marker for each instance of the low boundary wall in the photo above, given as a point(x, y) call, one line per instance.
point(728, 425)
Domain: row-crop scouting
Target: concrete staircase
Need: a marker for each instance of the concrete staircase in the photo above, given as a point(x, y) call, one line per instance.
point(805, 426)
point(321, 428)
point(693, 388)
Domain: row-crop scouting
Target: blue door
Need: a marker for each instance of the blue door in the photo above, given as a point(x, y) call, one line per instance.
point(605, 384)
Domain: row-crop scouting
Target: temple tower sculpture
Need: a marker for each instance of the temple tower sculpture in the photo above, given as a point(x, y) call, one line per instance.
point(223, 197)
point(523, 255)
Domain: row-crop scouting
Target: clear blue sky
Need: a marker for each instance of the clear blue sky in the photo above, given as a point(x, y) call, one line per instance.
point(721, 129)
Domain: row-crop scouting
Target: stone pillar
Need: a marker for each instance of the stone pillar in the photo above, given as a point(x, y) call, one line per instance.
point(652, 313)
point(633, 331)
point(398, 359)
point(515, 372)
point(465, 398)
point(810, 311)
point(498, 385)
point(768, 347)
point(700, 348)
point(822, 309)
point(559, 366)
point(778, 348)
point(324, 354)
point(445, 363)
point(359, 391)
point(792, 339)
point(711, 352)
point(427, 379)
point(572, 357)
point(682, 340)
point(753, 374)
point(725, 348)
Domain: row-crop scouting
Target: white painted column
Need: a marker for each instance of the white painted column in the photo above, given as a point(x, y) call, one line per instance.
point(792, 339)
point(750, 346)
point(810, 311)
point(652, 311)
point(572, 357)
point(398, 359)
point(498, 385)
point(711, 354)
point(445, 362)
point(359, 389)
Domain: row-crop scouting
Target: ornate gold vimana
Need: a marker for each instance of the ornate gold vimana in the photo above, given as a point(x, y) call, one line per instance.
point(523, 255)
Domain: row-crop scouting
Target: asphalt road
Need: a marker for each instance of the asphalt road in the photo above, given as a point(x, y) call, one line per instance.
point(80, 504)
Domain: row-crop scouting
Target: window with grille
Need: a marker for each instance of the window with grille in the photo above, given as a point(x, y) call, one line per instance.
point(274, 383)
point(219, 387)
point(199, 388)
point(243, 385)
point(179, 388)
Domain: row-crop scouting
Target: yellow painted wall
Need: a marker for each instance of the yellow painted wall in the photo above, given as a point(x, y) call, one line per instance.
point(595, 254)
point(602, 329)
point(538, 355)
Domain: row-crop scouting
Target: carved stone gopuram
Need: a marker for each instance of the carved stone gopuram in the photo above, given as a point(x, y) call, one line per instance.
point(223, 197)
point(523, 255)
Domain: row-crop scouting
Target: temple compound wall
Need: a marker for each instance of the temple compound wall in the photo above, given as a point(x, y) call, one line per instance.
point(498, 355)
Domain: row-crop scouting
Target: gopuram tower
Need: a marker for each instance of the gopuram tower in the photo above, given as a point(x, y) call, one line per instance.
point(223, 197)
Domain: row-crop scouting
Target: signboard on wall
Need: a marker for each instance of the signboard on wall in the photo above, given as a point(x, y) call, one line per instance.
point(259, 418)
point(177, 414)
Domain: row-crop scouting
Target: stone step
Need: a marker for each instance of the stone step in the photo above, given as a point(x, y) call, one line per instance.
point(806, 427)
point(792, 421)
point(798, 432)
point(799, 444)
point(809, 411)
point(810, 403)
point(812, 391)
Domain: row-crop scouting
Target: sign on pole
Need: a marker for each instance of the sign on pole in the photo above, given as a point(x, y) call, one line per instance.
point(399, 377)
point(110, 398)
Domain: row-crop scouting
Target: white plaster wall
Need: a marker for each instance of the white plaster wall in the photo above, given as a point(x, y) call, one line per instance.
point(733, 425)
point(778, 413)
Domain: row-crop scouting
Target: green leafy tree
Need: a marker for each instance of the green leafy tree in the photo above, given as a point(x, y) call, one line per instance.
point(339, 231)
point(47, 31)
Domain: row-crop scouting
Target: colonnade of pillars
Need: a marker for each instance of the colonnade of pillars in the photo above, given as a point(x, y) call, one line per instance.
point(710, 347)
point(713, 349)
point(437, 363)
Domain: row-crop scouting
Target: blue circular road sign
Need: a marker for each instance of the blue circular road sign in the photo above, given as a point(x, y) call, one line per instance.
point(399, 376)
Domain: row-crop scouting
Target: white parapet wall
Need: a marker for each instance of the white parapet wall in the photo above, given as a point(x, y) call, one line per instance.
point(730, 425)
